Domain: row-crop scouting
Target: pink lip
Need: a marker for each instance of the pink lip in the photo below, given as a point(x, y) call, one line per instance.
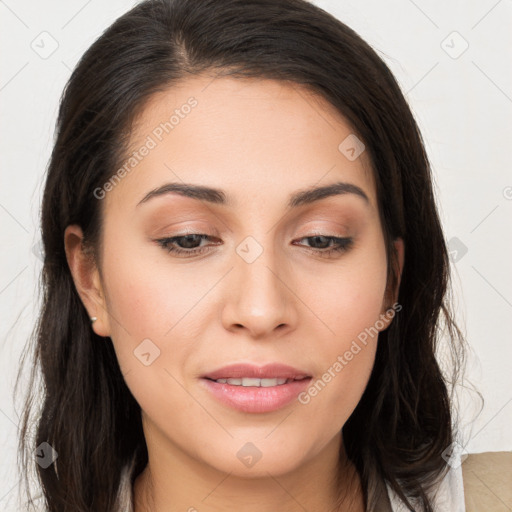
point(254, 399)
point(269, 371)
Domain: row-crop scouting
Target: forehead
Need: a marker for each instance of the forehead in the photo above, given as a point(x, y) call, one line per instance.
point(250, 135)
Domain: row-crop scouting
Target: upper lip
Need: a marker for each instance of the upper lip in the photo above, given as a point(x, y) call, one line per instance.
point(268, 371)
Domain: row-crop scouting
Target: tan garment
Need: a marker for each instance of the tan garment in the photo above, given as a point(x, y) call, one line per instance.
point(488, 482)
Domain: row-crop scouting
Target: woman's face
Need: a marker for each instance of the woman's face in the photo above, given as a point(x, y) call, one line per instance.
point(258, 287)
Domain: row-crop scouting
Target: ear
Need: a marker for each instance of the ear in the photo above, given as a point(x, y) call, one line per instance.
point(391, 295)
point(87, 279)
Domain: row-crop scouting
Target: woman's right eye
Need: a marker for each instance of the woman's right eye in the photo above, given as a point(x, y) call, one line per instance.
point(189, 241)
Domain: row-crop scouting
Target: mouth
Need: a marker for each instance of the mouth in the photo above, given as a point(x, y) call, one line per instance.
point(252, 389)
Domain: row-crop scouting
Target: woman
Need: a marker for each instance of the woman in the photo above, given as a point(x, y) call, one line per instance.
point(244, 274)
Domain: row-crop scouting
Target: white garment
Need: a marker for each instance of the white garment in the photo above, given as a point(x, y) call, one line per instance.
point(449, 496)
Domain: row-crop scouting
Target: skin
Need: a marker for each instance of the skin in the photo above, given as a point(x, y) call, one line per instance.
point(259, 141)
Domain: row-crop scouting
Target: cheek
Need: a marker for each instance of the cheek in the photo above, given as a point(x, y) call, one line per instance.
point(345, 359)
point(153, 332)
point(332, 396)
point(148, 298)
point(157, 313)
point(349, 297)
point(349, 304)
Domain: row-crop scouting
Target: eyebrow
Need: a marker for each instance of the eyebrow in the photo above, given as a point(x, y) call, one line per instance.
point(218, 196)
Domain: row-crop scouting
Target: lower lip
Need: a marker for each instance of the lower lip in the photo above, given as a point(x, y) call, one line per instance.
point(256, 399)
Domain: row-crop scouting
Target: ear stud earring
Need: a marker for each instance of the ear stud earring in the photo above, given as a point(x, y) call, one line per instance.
point(93, 319)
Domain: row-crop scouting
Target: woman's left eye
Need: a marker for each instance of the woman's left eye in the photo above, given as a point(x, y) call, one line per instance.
point(340, 244)
point(187, 245)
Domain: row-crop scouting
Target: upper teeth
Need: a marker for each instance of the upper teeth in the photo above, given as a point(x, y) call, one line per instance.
point(246, 381)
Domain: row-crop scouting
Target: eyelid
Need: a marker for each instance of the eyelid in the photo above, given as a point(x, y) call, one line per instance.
point(323, 232)
point(327, 229)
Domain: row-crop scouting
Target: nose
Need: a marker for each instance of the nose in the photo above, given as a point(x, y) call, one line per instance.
point(259, 297)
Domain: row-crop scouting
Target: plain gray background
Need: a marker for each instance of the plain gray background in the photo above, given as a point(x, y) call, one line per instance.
point(452, 60)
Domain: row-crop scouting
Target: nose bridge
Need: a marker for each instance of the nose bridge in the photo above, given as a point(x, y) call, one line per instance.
point(260, 300)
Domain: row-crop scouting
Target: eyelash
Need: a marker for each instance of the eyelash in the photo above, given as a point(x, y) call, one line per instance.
point(343, 245)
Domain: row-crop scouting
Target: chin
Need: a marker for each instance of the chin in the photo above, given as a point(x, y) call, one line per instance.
point(257, 459)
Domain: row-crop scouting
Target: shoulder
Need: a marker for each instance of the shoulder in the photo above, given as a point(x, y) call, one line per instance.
point(487, 479)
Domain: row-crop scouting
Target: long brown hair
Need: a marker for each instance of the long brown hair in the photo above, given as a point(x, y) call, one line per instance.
point(403, 422)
